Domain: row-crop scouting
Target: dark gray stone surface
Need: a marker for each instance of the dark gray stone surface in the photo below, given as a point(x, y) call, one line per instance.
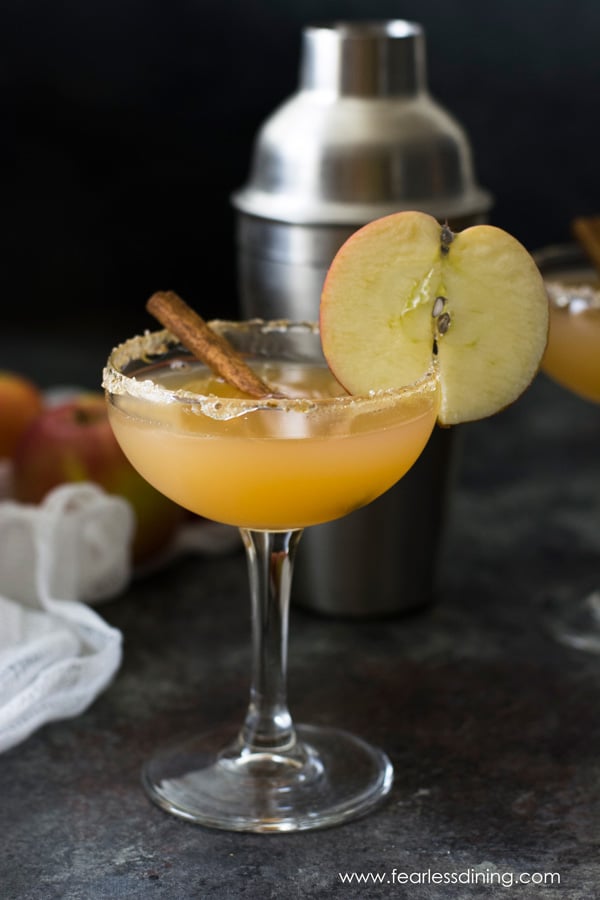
point(492, 725)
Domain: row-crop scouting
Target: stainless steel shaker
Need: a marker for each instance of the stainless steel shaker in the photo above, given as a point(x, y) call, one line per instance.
point(360, 138)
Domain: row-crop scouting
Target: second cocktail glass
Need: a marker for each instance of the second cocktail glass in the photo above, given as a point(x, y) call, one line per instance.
point(572, 359)
point(270, 467)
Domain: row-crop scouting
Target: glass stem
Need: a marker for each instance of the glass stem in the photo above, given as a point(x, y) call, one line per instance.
point(268, 726)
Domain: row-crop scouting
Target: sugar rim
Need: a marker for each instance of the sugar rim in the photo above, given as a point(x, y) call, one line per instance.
point(156, 343)
point(576, 298)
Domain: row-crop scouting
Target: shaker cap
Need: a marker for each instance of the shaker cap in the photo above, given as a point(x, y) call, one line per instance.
point(361, 137)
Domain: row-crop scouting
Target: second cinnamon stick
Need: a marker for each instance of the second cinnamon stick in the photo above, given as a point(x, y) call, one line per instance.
point(587, 231)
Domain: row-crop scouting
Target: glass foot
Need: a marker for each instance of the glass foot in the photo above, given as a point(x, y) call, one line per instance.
point(580, 629)
point(327, 777)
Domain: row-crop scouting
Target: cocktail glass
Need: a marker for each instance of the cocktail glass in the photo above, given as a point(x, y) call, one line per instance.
point(572, 359)
point(270, 467)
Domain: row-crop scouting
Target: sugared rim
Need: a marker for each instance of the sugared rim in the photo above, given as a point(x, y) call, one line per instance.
point(150, 346)
point(575, 298)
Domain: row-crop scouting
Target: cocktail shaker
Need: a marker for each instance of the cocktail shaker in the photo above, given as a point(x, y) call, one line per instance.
point(360, 138)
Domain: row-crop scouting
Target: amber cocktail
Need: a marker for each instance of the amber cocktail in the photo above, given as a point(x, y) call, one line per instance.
point(572, 359)
point(572, 356)
point(271, 467)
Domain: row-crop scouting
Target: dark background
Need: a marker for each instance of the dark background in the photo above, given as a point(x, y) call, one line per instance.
point(130, 122)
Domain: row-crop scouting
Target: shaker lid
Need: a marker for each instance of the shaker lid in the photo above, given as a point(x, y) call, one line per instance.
point(362, 137)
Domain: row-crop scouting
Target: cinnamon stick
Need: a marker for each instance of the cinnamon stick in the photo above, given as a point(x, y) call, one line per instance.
point(208, 346)
point(587, 231)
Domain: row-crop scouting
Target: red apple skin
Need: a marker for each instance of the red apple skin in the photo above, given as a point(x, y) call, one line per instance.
point(20, 402)
point(74, 442)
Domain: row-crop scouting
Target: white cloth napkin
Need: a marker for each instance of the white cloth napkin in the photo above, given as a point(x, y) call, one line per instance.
point(57, 654)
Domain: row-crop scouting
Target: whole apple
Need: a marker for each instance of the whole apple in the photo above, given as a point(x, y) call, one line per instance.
point(74, 442)
point(20, 402)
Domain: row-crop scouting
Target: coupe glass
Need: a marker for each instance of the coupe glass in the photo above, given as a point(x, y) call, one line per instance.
point(572, 359)
point(270, 467)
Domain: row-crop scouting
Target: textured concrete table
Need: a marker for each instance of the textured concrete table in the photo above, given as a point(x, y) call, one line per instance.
point(493, 727)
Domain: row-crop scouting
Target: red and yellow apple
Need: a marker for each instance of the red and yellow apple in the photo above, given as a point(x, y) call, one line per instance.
point(74, 442)
point(20, 402)
point(404, 291)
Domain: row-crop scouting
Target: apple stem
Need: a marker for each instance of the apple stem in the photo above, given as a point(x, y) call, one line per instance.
point(87, 416)
point(446, 238)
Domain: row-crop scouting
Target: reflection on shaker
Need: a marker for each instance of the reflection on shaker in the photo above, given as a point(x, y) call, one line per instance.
point(360, 138)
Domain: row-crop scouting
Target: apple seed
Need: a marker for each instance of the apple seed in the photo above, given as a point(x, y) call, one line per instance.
point(438, 306)
point(443, 323)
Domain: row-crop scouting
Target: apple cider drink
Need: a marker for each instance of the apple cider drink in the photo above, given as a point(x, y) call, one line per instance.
point(273, 464)
point(572, 356)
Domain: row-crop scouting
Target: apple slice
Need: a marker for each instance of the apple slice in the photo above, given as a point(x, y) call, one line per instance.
point(404, 290)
